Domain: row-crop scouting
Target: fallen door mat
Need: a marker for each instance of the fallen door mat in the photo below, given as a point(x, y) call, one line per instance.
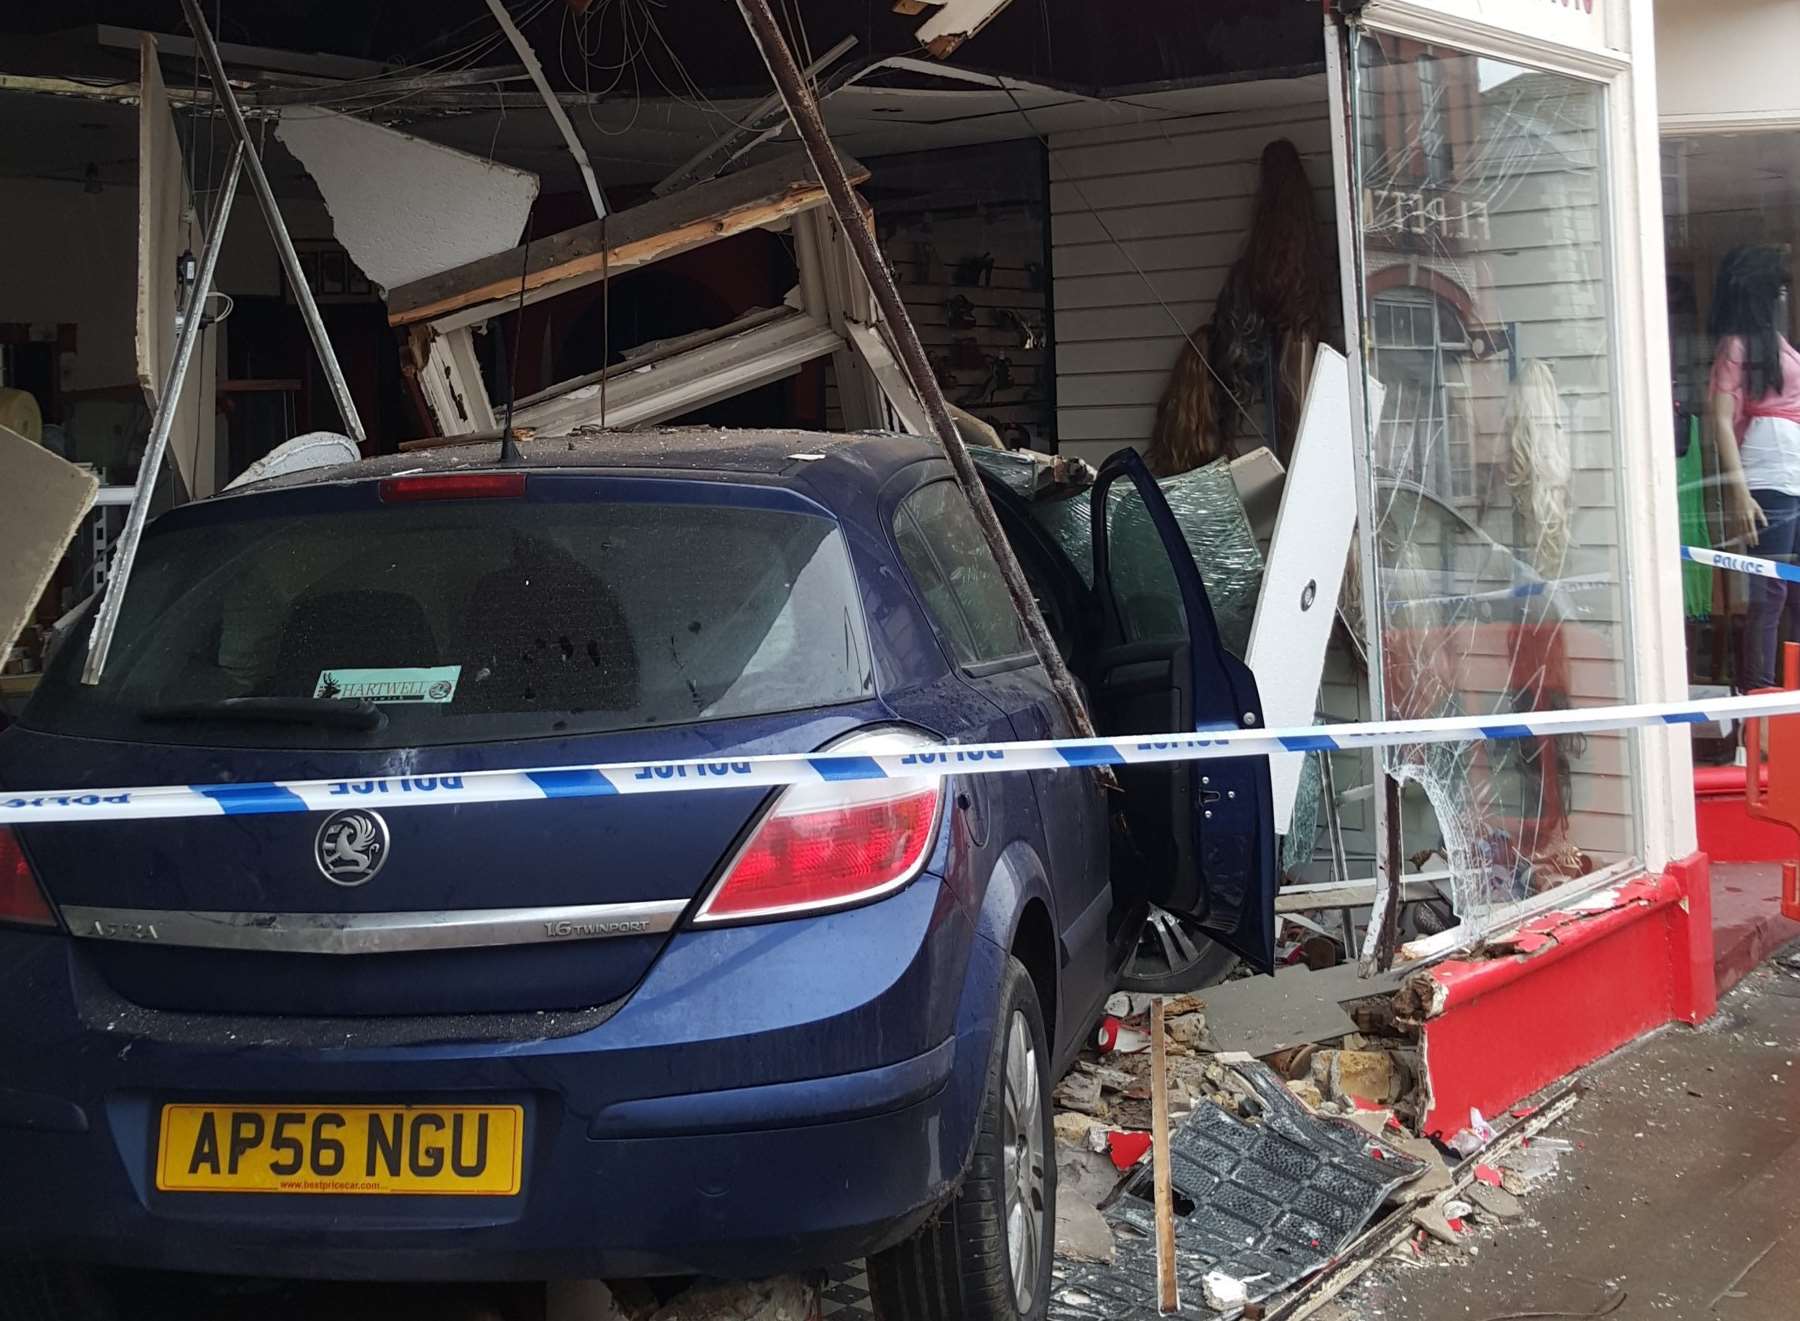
point(1268, 1201)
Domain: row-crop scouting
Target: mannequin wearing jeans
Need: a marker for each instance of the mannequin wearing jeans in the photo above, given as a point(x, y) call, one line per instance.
point(1755, 411)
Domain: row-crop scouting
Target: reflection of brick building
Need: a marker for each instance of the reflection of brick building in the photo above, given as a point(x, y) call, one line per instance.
point(1488, 292)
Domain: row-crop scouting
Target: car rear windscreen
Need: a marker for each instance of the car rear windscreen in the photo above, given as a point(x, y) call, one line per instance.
point(473, 620)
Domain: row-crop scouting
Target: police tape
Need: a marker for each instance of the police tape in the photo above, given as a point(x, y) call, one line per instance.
point(1750, 564)
point(610, 779)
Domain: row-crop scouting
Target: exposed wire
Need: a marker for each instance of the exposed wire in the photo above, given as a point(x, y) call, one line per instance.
point(371, 94)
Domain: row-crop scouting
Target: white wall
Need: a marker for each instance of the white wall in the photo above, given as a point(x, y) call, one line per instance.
point(1178, 196)
point(248, 264)
point(70, 255)
point(1727, 63)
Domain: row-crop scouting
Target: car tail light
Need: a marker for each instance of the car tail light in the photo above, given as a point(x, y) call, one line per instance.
point(453, 486)
point(833, 844)
point(20, 898)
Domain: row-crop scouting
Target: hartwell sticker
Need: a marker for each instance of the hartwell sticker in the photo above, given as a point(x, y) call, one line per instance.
point(436, 683)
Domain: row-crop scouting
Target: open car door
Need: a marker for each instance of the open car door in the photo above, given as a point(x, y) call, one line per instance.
point(1201, 834)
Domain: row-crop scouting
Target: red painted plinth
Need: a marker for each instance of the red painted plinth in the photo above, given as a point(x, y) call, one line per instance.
point(1565, 989)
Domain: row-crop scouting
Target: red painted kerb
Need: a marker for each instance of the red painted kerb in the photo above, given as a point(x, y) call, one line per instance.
point(1565, 989)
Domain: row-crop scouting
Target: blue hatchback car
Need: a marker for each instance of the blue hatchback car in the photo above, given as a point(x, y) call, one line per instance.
point(735, 1032)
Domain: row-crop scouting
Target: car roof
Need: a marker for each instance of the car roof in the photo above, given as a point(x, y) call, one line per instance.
point(777, 457)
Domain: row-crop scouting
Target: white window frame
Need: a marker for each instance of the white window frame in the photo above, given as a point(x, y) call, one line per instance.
point(1621, 61)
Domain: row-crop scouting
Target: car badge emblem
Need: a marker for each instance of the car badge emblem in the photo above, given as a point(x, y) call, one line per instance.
point(351, 846)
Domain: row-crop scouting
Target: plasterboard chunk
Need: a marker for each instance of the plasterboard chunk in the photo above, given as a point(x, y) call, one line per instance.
point(403, 207)
point(955, 22)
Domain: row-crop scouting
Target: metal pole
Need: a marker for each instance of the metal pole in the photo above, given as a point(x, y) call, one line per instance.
point(803, 109)
point(107, 620)
point(290, 260)
point(1344, 85)
point(1340, 861)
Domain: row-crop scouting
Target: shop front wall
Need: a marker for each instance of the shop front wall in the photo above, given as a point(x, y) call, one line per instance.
point(1517, 470)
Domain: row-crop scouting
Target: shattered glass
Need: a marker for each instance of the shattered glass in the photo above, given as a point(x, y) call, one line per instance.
point(1210, 512)
point(1303, 827)
point(1499, 546)
point(1015, 471)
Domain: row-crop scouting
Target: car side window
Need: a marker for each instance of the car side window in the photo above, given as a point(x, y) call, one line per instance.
point(1138, 570)
point(948, 557)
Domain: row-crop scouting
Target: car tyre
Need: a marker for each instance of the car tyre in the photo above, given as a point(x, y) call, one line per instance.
point(50, 1291)
point(987, 1255)
point(1175, 956)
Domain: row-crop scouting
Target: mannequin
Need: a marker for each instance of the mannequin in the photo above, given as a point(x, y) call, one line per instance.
point(1754, 410)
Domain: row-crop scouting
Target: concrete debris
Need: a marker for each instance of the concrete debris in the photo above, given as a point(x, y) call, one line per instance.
point(1495, 1202)
point(1430, 1217)
point(1085, 1174)
point(1308, 1091)
point(1110, 1083)
point(1224, 1292)
point(1082, 1233)
point(1073, 1128)
point(581, 1300)
point(1374, 1076)
point(785, 1298)
point(1188, 1030)
point(1080, 1092)
point(1521, 1170)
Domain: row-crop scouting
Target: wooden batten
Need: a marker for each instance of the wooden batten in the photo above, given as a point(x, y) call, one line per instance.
point(692, 218)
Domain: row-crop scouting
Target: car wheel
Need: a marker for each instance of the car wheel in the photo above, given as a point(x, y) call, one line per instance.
point(51, 1291)
point(987, 1255)
point(1175, 956)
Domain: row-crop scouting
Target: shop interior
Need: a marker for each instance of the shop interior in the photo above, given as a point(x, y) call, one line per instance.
point(1135, 240)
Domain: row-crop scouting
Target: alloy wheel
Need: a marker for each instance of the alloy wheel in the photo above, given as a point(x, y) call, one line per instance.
point(1022, 1136)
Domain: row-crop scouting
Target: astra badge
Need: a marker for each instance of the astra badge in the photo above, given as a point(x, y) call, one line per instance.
point(351, 846)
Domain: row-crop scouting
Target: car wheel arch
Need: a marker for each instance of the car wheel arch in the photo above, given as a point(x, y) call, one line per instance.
point(1018, 915)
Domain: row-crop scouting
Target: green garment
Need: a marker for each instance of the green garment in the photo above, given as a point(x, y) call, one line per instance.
point(1690, 500)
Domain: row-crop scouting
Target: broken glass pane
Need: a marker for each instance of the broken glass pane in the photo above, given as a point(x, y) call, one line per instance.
point(1499, 545)
point(1210, 512)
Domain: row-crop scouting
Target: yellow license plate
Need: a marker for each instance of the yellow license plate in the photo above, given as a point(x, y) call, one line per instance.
point(445, 1151)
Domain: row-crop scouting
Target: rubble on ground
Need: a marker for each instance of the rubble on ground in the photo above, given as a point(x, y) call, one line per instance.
point(784, 1298)
point(1372, 1077)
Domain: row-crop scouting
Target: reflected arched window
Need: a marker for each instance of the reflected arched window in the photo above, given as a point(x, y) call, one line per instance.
point(1422, 351)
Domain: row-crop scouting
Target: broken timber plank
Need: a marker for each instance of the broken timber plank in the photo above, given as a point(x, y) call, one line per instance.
point(647, 393)
point(624, 241)
point(1356, 894)
point(1168, 1287)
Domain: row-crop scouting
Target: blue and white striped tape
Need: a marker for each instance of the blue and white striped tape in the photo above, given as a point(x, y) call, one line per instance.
point(622, 778)
point(1750, 564)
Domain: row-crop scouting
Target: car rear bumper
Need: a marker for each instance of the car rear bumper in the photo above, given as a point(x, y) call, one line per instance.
point(636, 1161)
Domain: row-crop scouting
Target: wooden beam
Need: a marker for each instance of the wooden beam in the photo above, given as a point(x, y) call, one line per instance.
point(449, 376)
point(1357, 894)
point(680, 222)
point(646, 394)
point(1168, 1286)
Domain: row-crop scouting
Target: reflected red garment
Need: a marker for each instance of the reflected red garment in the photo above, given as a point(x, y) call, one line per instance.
point(1517, 790)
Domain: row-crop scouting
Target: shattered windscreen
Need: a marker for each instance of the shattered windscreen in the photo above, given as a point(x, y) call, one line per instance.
point(1499, 544)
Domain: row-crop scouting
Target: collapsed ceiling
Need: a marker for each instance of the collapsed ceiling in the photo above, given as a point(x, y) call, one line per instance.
point(645, 87)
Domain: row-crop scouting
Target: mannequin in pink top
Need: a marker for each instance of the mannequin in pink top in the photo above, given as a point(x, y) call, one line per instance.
point(1755, 412)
